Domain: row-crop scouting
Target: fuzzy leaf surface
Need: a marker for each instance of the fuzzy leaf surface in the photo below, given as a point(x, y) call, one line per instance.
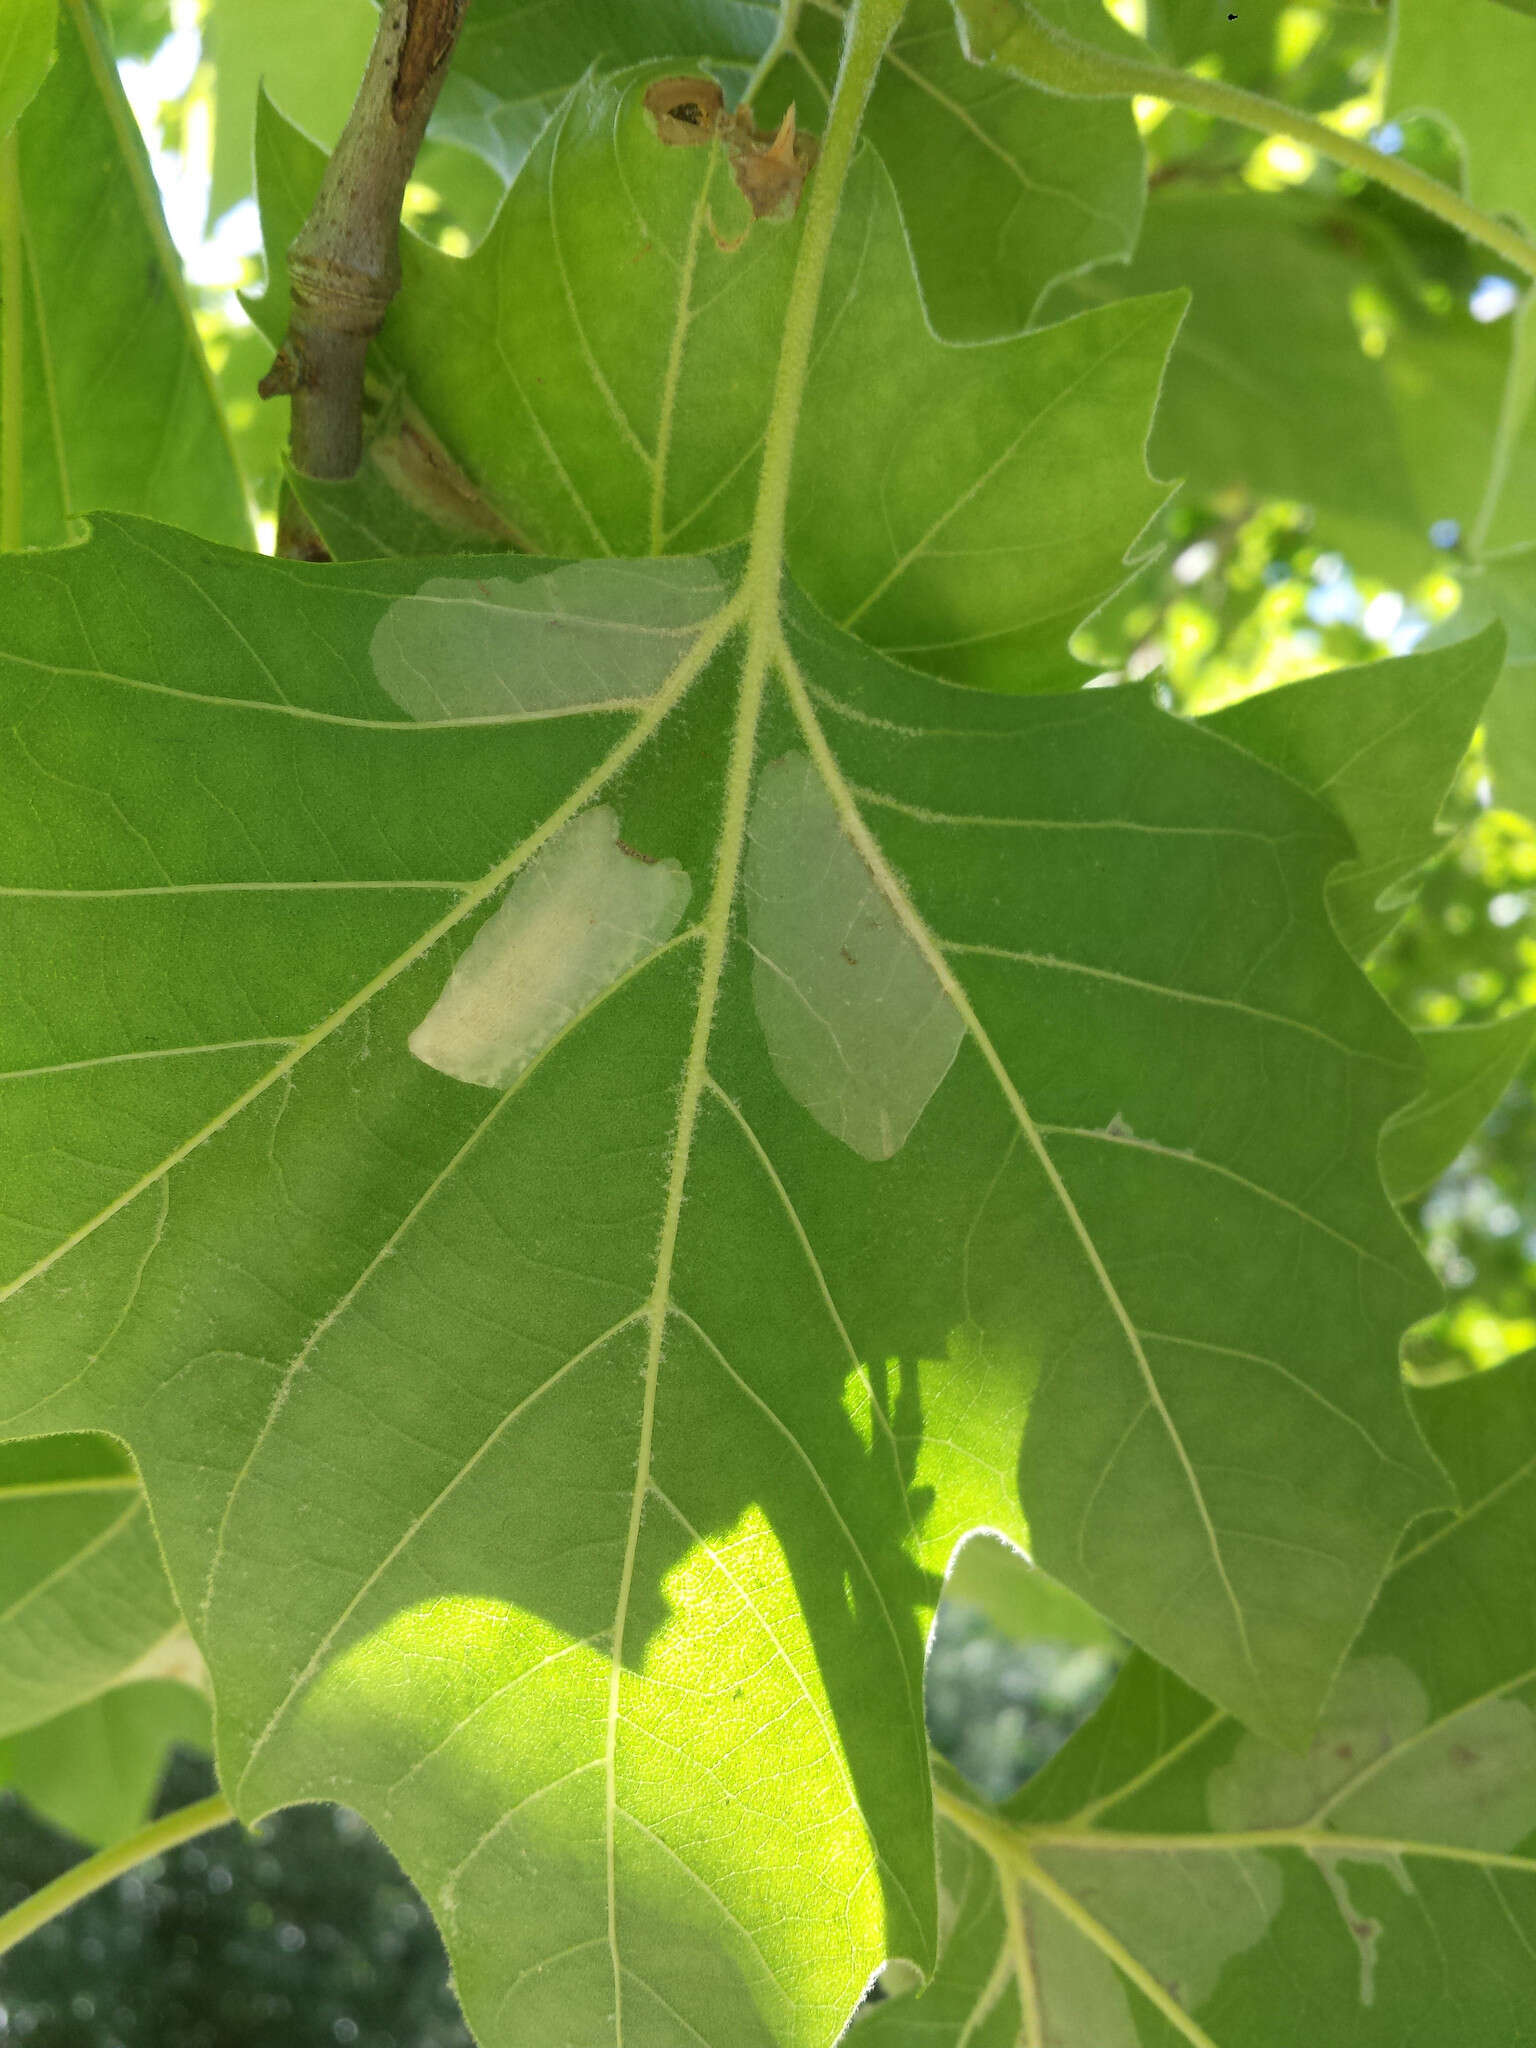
point(1169, 1878)
point(562, 1476)
point(626, 307)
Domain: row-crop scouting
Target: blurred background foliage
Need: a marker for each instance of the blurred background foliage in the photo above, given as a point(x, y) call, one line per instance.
point(307, 1932)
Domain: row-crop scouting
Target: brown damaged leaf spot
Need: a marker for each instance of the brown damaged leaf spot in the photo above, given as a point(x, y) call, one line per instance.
point(769, 170)
point(688, 112)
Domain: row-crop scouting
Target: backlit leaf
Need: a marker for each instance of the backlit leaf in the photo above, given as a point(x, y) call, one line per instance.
point(1272, 390)
point(1003, 188)
point(562, 1473)
point(635, 353)
point(1469, 62)
point(1170, 1878)
point(1380, 745)
point(94, 1771)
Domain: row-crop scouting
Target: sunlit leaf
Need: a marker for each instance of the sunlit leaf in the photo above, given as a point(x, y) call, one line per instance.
point(1169, 1877)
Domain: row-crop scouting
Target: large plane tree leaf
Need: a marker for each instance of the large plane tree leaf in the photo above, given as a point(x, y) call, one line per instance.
point(1170, 1878)
point(83, 1597)
point(607, 1163)
point(1003, 188)
point(118, 408)
point(625, 309)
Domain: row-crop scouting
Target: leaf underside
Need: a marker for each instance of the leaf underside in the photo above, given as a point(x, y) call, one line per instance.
point(566, 1494)
point(584, 1141)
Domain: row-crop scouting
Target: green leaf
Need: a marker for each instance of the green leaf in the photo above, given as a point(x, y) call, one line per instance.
point(1170, 1878)
point(1469, 62)
point(516, 60)
point(117, 407)
point(560, 1471)
point(1469, 1068)
point(628, 306)
point(83, 1596)
point(306, 59)
point(94, 1771)
point(1018, 1599)
point(1273, 393)
point(1259, 44)
point(26, 51)
point(1380, 745)
point(1003, 188)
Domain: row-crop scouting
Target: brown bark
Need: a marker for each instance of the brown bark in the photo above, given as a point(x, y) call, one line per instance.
point(344, 263)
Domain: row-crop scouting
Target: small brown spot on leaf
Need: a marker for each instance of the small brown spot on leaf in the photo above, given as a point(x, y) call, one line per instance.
point(687, 111)
point(1460, 1754)
point(1345, 1752)
point(770, 169)
point(848, 956)
point(635, 853)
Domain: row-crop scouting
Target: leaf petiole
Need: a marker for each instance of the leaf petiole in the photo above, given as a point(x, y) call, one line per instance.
point(169, 1832)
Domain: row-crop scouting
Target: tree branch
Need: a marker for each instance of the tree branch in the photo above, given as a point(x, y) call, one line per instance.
point(344, 263)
